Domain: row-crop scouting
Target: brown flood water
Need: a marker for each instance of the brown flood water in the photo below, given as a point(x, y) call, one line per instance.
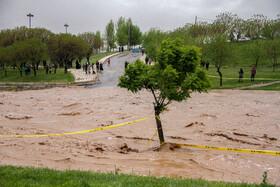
point(224, 118)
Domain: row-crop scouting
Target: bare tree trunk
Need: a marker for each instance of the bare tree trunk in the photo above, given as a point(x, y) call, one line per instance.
point(159, 126)
point(221, 76)
point(257, 60)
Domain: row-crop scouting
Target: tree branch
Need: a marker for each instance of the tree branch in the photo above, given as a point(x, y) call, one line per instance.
point(153, 92)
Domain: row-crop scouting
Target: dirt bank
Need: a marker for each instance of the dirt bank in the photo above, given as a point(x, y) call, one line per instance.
point(226, 118)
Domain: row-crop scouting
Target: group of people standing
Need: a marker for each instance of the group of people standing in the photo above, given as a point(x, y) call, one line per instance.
point(88, 68)
point(241, 73)
point(48, 68)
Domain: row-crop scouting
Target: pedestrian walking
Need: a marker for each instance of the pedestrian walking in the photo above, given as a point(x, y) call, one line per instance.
point(207, 66)
point(101, 66)
point(109, 61)
point(50, 69)
point(253, 73)
point(150, 61)
point(55, 67)
point(97, 65)
point(147, 59)
point(125, 64)
point(240, 75)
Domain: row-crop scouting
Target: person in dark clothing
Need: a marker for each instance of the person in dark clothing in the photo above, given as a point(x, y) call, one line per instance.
point(28, 70)
point(207, 66)
point(65, 69)
point(97, 65)
point(44, 63)
point(101, 66)
point(86, 67)
point(240, 75)
point(47, 69)
point(147, 59)
point(126, 64)
point(253, 73)
point(122, 48)
point(55, 67)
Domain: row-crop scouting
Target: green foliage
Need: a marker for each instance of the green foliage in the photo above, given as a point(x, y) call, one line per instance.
point(175, 74)
point(122, 32)
point(29, 176)
point(13, 76)
point(152, 41)
point(128, 32)
point(65, 47)
point(110, 35)
point(219, 51)
point(257, 50)
point(272, 48)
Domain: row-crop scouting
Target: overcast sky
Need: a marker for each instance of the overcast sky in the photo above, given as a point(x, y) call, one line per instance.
point(93, 15)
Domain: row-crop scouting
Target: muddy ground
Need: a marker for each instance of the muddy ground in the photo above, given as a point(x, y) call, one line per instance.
point(225, 118)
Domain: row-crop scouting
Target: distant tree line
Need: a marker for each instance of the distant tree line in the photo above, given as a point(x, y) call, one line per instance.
point(216, 40)
point(22, 46)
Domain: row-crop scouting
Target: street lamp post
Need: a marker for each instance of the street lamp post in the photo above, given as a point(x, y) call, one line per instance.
point(30, 16)
point(128, 35)
point(66, 25)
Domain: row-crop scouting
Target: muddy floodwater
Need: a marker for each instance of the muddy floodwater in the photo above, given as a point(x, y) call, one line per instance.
point(223, 118)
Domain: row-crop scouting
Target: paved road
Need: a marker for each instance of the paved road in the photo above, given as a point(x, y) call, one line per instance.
point(109, 77)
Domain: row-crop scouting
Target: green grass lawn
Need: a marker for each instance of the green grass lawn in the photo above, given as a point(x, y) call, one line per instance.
point(28, 176)
point(272, 87)
point(93, 58)
point(230, 77)
point(14, 76)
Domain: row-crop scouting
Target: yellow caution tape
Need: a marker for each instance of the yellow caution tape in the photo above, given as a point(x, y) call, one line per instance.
point(150, 140)
point(253, 151)
point(245, 78)
point(71, 133)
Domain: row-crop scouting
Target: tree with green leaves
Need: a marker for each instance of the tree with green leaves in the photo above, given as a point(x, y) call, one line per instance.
point(89, 38)
point(4, 59)
point(257, 50)
point(36, 51)
point(98, 43)
point(254, 26)
point(110, 35)
point(122, 32)
point(172, 78)
point(271, 29)
point(66, 47)
point(152, 42)
point(219, 52)
point(272, 48)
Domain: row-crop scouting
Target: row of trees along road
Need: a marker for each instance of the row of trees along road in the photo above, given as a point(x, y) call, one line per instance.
point(22, 46)
point(217, 40)
point(124, 32)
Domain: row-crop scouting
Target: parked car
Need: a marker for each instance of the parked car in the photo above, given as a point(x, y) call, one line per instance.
point(136, 51)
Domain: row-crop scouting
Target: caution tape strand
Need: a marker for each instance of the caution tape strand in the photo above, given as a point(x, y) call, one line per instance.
point(265, 79)
point(79, 132)
point(253, 151)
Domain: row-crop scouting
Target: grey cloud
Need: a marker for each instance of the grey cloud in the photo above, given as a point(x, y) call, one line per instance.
point(93, 15)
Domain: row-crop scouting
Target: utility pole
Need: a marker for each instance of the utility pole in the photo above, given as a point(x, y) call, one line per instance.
point(66, 25)
point(30, 16)
point(195, 21)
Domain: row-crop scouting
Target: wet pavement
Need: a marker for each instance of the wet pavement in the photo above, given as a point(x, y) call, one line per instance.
point(109, 76)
